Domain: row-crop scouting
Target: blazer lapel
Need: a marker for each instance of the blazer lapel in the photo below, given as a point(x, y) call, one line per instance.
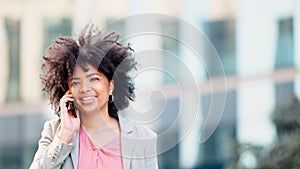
point(75, 151)
point(127, 142)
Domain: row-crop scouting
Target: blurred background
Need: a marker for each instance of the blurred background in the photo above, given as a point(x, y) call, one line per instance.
point(258, 43)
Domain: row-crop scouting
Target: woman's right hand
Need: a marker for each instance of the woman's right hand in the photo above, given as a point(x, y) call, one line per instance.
point(69, 123)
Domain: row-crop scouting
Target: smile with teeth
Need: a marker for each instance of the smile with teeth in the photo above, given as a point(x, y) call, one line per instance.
point(87, 99)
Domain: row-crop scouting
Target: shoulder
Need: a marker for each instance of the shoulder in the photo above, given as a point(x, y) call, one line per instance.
point(52, 126)
point(138, 130)
point(144, 131)
point(54, 123)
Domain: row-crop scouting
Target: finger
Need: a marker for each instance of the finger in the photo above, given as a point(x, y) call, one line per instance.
point(64, 101)
point(68, 95)
point(77, 112)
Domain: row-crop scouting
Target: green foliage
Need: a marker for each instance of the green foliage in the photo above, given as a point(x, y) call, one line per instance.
point(286, 117)
point(285, 153)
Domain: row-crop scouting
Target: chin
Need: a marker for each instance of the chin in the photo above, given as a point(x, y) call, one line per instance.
point(89, 110)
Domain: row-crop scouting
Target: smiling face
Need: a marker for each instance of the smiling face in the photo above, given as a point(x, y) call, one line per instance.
point(90, 90)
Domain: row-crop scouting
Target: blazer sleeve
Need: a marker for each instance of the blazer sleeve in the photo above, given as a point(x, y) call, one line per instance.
point(51, 151)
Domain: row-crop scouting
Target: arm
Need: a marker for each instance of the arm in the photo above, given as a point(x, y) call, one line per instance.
point(52, 151)
point(55, 146)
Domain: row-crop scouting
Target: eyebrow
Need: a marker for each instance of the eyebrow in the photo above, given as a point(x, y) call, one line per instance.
point(89, 75)
point(92, 74)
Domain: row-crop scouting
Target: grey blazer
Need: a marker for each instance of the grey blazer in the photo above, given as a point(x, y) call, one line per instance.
point(138, 146)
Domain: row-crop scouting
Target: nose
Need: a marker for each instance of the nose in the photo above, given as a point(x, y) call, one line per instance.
point(85, 86)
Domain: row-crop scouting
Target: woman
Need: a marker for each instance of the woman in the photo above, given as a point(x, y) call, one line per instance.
point(93, 74)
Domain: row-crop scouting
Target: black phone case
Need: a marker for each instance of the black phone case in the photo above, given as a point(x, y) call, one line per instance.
point(73, 110)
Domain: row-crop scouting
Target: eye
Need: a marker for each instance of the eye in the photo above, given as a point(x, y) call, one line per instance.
point(94, 79)
point(74, 83)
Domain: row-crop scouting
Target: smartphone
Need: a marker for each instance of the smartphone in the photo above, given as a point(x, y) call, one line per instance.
point(73, 110)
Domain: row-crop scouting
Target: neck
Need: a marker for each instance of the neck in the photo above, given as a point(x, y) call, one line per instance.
point(100, 128)
point(98, 121)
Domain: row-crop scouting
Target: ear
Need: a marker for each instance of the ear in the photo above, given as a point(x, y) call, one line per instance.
point(111, 86)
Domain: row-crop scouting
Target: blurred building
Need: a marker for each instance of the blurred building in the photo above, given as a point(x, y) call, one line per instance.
point(258, 43)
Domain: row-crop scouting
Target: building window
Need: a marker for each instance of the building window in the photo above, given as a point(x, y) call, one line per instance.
point(170, 47)
point(222, 35)
point(216, 149)
point(170, 158)
point(20, 143)
point(117, 26)
point(285, 44)
point(13, 84)
point(55, 27)
point(284, 92)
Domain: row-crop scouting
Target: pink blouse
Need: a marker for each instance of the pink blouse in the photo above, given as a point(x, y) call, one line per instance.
point(91, 157)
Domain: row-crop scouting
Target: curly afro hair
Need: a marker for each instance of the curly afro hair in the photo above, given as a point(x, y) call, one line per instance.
point(102, 51)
